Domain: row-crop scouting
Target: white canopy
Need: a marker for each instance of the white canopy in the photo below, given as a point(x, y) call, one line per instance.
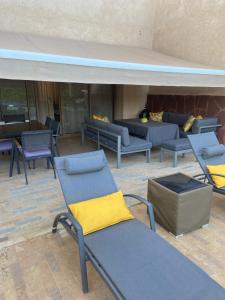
point(30, 57)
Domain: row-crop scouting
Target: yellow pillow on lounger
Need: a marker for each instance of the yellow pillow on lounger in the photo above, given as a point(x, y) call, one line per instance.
point(102, 212)
point(156, 116)
point(217, 169)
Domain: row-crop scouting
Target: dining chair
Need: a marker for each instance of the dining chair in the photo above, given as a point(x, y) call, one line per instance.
point(9, 145)
point(37, 145)
point(55, 127)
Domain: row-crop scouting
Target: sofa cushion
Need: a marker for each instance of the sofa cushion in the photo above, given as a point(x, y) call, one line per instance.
point(183, 134)
point(111, 128)
point(177, 145)
point(177, 118)
point(165, 117)
point(137, 144)
point(120, 130)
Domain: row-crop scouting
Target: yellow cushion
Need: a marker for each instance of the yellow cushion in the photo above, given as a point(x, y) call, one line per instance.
point(217, 169)
point(157, 116)
point(102, 212)
point(199, 117)
point(190, 121)
point(100, 118)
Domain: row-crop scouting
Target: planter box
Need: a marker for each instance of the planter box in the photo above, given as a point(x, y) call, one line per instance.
point(181, 203)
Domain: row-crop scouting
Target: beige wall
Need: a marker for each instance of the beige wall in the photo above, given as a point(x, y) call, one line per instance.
point(190, 29)
point(123, 22)
point(130, 100)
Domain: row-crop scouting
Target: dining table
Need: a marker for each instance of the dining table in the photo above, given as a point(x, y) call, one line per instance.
point(14, 130)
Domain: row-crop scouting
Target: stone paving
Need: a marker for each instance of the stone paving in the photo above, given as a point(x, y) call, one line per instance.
point(35, 264)
point(27, 211)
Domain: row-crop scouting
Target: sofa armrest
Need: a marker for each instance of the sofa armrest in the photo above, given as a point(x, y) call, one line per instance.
point(205, 125)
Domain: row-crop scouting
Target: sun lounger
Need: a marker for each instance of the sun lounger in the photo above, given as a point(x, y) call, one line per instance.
point(135, 262)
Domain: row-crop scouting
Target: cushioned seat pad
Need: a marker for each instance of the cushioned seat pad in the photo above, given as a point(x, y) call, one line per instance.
point(144, 266)
point(37, 153)
point(136, 144)
point(177, 145)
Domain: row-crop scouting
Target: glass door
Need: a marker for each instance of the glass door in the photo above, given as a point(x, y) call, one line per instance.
point(74, 106)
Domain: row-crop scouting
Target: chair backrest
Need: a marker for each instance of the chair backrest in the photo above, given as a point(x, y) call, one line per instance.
point(36, 140)
point(48, 122)
point(55, 127)
point(14, 118)
point(84, 176)
point(204, 140)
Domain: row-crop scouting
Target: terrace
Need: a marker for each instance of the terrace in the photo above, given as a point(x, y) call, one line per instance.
point(50, 270)
point(141, 78)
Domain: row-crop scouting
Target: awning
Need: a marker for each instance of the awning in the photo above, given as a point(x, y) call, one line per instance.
point(30, 57)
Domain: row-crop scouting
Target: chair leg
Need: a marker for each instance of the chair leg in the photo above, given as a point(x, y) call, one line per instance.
point(174, 159)
point(148, 156)
point(12, 158)
point(53, 166)
point(161, 155)
point(17, 161)
point(34, 164)
point(118, 160)
point(25, 169)
point(48, 165)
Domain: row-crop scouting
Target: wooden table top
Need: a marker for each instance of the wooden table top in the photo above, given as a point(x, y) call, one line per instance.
point(14, 130)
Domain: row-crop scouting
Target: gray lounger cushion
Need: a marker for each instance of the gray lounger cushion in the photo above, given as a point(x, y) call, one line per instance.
point(74, 165)
point(177, 145)
point(212, 151)
point(144, 266)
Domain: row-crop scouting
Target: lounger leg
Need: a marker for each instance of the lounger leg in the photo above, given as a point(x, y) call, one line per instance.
point(174, 159)
point(148, 156)
point(83, 268)
point(83, 265)
point(161, 155)
point(34, 164)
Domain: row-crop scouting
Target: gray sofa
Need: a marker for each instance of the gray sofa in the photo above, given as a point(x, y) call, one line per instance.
point(115, 138)
point(205, 125)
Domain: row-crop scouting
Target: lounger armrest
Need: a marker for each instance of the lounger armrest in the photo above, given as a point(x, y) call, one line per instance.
point(209, 174)
point(149, 208)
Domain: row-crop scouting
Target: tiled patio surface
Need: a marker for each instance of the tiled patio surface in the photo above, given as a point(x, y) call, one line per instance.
point(45, 266)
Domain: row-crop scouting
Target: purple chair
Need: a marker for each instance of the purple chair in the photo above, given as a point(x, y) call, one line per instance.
point(9, 145)
point(35, 145)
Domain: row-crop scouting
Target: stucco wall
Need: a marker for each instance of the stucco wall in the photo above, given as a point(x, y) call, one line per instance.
point(122, 22)
point(191, 29)
point(133, 100)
